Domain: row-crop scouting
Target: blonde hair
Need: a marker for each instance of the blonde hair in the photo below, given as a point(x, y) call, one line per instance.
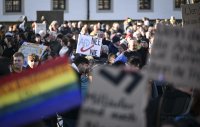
point(33, 57)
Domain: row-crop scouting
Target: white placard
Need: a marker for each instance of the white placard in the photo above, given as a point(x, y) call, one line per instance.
point(89, 46)
point(29, 48)
point(39, 27)
point(191, 14)
point(115, 99)
point(175, 56)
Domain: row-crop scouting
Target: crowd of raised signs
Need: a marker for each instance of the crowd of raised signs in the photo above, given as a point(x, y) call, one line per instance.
point(121, 42)
point(127, 44)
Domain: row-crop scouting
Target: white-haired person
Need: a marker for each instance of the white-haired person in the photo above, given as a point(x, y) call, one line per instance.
point(104, 53)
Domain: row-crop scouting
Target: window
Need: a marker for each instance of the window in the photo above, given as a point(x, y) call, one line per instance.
point(59, 4)
point(104, 4)
point(13, 6)
point(178, 3)
point(144, 4)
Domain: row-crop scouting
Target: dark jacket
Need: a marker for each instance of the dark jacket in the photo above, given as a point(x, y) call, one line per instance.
point(73, 113)
point(113, 49)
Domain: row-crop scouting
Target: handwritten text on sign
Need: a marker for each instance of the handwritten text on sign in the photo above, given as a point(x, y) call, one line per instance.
point(176, 56)
point(89, 46)
point(29, 48)
point(116, 97)
point(40, 27)
point(191, 14)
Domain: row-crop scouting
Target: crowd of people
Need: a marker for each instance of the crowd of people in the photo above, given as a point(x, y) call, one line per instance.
point(128, 44)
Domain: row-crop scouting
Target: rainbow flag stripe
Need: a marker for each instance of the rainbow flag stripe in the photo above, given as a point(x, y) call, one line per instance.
point(37, 93)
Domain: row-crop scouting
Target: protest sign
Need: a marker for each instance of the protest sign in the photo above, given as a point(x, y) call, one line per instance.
point(39, 27)
point(37, 93)
point(29, 48)
point(116, 98)
point(89, 46)
point(191, 14)
point(175, 56)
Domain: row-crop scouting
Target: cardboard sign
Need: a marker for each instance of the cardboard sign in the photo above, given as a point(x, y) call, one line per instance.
point(88, 45)
point(37, 93)
point(191, 14)
point(39, 27)
point(175, 56)
point(29, 48)
point(115, 98)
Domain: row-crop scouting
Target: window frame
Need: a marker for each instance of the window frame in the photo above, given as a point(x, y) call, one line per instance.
point(13, 12)
point(66, 6)
point(146, 10)
point(174, 2)
point(106, 10)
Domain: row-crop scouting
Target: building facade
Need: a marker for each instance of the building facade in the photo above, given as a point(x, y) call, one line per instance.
point(12, 10)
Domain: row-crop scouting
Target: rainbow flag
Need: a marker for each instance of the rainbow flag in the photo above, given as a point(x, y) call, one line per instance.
point(37, 93)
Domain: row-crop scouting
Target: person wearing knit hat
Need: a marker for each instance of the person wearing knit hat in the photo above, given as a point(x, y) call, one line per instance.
point(115, 39)
point(113, 47)
point(8, 34)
